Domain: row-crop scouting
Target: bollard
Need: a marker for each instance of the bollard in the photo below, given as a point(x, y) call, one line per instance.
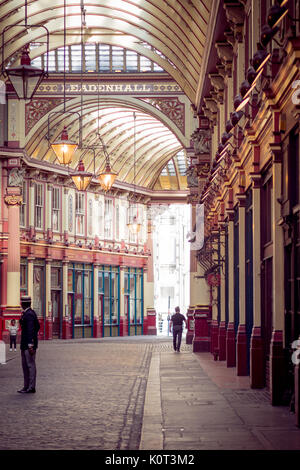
point(2, 352)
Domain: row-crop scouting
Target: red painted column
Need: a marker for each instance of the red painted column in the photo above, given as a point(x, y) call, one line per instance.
point(297, 386)
point(257, 360)
point(97, 328)
point(277, 368)
point(201, 340)
point(222, 341)
point(214, 339)
point(230, 346)
point(241, 351)
point(190, 325)
point(151, 322)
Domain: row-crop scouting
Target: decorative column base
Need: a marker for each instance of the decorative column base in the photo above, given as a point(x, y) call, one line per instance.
point(222, 341)
point(277, 369)
point(257, 359)
point(241, 351)
point(230, 346)
point(49, 328)
point(214, 348)
point(66, 329)
point(150, 322)
point(201, 339)
point(190, 326)
point(96, 328)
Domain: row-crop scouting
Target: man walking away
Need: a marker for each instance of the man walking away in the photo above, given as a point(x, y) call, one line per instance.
point(29, 343)
point(177, 321)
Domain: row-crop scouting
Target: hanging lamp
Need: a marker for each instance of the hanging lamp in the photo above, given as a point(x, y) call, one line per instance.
point(24, 78)
point(107, 177)
point(133, 222)
point(64, 148)
point(81, 178)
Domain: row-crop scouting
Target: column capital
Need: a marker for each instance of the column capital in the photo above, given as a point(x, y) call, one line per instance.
point(13, 196)
point(256, 180)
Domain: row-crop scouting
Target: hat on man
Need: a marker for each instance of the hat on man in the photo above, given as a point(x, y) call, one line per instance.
point(26, 299)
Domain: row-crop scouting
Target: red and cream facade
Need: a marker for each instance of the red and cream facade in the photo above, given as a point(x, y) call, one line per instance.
point(245, 300)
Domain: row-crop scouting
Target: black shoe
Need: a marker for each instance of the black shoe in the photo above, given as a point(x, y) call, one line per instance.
point(23, 390)
point(30, 390)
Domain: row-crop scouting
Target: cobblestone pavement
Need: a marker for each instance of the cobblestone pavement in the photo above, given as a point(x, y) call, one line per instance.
point(90, 395)
point(136, 394)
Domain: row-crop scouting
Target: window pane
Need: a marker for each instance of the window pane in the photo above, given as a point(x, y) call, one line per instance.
point(117, 59)
point(131, 61)
point(145, 64)
point(61, 59)
point(76, 57)
point(90, 57)
point(104, 58)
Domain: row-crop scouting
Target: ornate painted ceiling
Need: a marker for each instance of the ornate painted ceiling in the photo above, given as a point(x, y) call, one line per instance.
point(168, 37)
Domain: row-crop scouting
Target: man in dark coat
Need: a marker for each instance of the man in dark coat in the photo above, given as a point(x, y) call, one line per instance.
point(29, 343)
point(177, 321)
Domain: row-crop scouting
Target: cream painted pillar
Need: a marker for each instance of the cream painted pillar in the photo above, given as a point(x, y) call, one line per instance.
point(276, 359)
point(49, 313)
point(278, 248)
point(31, 203)
point(242, 261)
point(16, 123)
point(222, 328)
point(30, 277)
point(65, 288)
point(96, 292)
point(199, 290)
point(230, 333)
point(48, 288)
point(256, 24)
point(257, 372)
point(256, 233)
point(241, 340)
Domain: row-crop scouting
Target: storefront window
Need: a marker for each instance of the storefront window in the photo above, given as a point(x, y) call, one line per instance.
point(38, 288)
point(80, 299)
point(56, 209)
point(133, 289)
point(109, 304)
point(23, 277)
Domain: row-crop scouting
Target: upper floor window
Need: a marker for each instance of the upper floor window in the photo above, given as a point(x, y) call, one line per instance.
point(79, 213)
point(23, 207)
point(108, 219)
point(39, 205)
point(90, 217)
point(56, 209)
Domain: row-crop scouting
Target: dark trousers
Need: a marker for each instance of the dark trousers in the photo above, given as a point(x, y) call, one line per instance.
point(13, 341)
point(29, 369)
point(177, 334)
